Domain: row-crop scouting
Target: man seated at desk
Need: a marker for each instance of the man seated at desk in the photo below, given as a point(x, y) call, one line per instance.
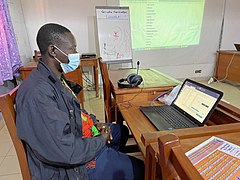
point(62, 140)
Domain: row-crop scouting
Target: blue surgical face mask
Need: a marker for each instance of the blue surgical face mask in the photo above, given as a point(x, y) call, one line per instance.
point(74, 61)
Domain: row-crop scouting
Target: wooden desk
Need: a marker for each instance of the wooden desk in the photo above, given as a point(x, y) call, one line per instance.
point(75, 76)
point(94, 63)
point(137, 122)
point(25, 70)
point(154, 83)
point(145, 133)
point(189, 140)
point(223, 70)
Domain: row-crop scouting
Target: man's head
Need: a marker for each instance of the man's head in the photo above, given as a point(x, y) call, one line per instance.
point(50, 34)
point(55, 43)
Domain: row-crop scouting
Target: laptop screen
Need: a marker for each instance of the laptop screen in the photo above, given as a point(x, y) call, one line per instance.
point(237, 46)
point(197, 100)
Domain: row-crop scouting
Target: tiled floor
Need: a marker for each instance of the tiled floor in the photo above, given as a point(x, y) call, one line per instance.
point(9, 168)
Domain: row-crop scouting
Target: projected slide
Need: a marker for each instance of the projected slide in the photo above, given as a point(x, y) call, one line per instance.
point(164, 24)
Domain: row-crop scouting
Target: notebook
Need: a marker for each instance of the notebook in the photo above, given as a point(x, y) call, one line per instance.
point(237, 46)
point(192, 107)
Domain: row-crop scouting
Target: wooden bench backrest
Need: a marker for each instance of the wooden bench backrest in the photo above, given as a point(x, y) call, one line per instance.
point(173, 162)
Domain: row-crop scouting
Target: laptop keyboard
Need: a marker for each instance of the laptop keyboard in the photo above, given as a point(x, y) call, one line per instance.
point(170, 115)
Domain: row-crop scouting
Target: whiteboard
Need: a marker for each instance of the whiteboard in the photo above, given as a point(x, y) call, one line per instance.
point(114, 33)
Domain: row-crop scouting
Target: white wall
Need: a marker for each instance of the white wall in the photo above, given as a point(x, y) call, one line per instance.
point(79, 17)
point(231, 29)
point(18, 21)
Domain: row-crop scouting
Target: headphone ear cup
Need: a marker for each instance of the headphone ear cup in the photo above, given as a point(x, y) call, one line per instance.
point(130, 78)
point(136, 80)
point(120, 81)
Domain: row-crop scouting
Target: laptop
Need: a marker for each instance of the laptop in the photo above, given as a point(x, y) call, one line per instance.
point(237, 46)
point(192, 107)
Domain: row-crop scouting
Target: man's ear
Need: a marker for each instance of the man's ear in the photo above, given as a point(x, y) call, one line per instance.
point(51, 50)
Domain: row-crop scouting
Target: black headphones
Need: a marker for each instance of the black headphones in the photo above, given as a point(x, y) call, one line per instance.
point(133, 80)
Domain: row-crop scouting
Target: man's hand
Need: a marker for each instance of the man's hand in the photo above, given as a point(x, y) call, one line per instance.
point(104, 131)
point(100, 126)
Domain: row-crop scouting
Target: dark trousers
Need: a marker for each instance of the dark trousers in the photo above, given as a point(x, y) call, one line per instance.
point(111, 164)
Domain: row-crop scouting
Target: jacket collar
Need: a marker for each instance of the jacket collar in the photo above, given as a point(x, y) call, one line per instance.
point(48, 74)
point(53, 79)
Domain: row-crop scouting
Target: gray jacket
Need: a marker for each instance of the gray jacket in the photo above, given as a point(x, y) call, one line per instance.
point(49, 122)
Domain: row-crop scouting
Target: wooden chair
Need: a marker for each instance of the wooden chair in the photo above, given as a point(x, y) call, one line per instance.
point(7, 102)
point(111, 111)
point(37, 55)
point(109, 104)
point(173, 161)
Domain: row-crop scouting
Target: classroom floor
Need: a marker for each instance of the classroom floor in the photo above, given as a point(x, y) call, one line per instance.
point(9, 168)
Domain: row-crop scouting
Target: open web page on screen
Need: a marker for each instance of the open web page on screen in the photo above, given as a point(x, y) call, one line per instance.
point(196, 101)
point(165, 23)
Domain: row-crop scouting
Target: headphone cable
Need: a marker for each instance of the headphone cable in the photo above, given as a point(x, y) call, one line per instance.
point(128, 101)
point(87, 80)
point(227, 69)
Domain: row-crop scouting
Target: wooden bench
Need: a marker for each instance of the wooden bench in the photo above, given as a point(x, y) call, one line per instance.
point(224, 120)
